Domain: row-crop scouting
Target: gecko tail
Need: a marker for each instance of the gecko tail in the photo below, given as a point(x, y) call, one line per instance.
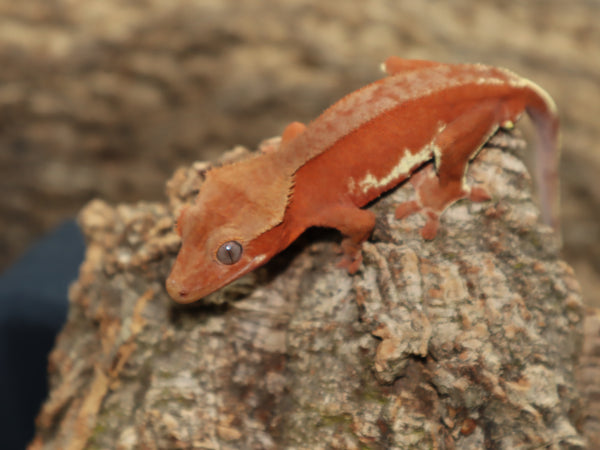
point(543, 113)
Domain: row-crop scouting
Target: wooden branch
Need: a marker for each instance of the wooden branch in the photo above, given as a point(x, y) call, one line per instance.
point(467, 341)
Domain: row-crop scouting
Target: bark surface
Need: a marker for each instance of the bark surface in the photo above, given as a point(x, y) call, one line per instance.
point(468, 341)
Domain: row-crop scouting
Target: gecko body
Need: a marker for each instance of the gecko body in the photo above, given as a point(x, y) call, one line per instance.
point(367, 143)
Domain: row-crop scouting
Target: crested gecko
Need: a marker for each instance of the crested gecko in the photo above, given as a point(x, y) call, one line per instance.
point(323, 173)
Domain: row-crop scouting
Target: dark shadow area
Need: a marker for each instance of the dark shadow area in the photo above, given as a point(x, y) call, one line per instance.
point(33, 308)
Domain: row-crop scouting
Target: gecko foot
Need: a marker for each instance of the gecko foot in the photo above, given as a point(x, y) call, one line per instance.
point(432, 199)
point(479, 194)
point(351, 258)
point(406, 209)
point(351, 265)
point(430, 229)
point(432, 224)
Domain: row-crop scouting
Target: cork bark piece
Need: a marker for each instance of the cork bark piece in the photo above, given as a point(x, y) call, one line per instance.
point(468, 341)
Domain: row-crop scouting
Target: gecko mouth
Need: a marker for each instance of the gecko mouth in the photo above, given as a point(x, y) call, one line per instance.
point(182, 293)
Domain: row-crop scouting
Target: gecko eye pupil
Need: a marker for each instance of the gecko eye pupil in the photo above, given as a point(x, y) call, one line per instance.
point(230, 252)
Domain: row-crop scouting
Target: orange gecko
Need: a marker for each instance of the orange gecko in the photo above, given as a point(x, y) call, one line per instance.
point(367, 143)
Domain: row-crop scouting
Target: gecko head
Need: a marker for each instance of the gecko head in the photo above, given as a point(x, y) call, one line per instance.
point(221, 238)
point(212, 255)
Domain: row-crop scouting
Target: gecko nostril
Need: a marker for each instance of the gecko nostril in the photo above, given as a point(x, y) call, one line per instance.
point(176, 290)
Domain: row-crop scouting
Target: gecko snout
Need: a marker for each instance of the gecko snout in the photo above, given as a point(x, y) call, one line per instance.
point(176, 290)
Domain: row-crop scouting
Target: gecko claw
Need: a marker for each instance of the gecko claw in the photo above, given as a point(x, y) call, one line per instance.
point(479, 194)
point(350, 264)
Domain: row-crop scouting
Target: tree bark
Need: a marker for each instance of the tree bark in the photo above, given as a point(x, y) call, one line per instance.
point(588, 374)
point(466, 341)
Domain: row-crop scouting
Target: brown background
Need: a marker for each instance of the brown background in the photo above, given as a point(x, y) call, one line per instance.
point(106, 98)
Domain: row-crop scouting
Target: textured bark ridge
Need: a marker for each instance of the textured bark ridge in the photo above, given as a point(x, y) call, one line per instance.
point(588, 374)
point(468, 341)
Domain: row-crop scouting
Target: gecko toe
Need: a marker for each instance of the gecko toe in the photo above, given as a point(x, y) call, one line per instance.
point(430, 229)
point(479, 194)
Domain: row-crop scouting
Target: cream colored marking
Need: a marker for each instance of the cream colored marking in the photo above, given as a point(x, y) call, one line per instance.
point(542, 93)
point(490, 80)
point(507, 125)
point(437, 157)
point(435, 149)
point(405, 164)
point(258, 259)
point(519, 82)
point(351, 185)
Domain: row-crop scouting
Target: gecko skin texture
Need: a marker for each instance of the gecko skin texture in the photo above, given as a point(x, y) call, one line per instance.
point(367, 143)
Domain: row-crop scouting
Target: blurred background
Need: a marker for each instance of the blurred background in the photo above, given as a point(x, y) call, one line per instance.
point(105, 98)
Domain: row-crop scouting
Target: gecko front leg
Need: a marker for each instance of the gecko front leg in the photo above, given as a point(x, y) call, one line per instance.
point(356, 225)
point(292, 130)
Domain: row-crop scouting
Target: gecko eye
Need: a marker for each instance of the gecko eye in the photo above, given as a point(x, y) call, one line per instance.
point(230, 252)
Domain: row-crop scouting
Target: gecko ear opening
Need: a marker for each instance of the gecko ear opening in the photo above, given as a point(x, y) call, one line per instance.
point(230, 252)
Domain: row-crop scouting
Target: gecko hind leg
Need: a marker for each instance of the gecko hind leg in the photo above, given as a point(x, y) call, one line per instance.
point(460, 142)
point(425, 182)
